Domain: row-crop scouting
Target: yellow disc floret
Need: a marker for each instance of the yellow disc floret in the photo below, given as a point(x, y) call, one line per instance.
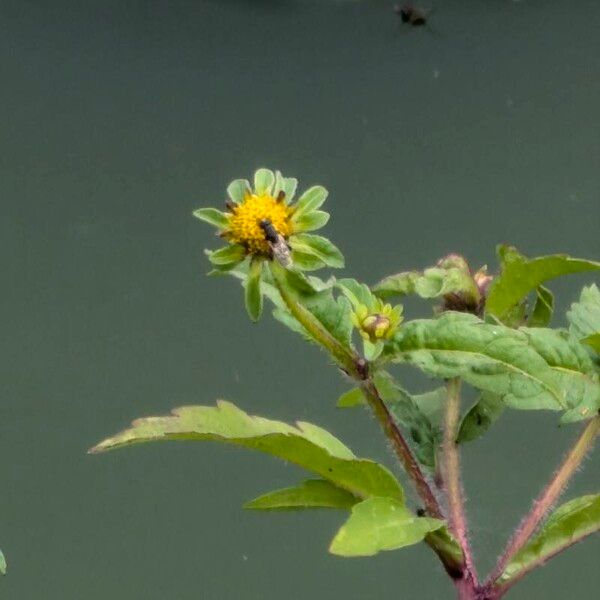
point(244, 227)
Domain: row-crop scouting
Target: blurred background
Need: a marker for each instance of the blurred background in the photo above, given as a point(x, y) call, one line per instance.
point(120, 118)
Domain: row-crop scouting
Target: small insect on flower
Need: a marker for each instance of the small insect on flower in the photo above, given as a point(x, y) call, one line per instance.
point(411, 15)
point(279, 247)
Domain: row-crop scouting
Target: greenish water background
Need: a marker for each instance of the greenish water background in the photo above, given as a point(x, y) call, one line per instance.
point(118, 119)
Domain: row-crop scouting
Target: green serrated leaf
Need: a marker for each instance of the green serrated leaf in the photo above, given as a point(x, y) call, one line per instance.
point(264, 179)
point(213, 217)
point(312, 199)
point(480, 417)
point(584, 316)
point(379, 524)
point(573, 370)
point(569, 524)
point(542, 309)
point(313, 493)
point(2, 563)
point(593, 341)
point(228, 255)
point(520, 276)
point(311, 221)
point(307, 446)
point(318, 247)
point(493, 358)
point(238, 189)
point(253, 296)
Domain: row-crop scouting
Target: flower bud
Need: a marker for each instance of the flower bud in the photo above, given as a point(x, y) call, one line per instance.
point(376, 327)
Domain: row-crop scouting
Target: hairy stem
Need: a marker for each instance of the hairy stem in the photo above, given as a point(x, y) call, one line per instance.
point(452, 476)
point(346, 358)
point(547, 497)
point(357, 368)
point(403, 451)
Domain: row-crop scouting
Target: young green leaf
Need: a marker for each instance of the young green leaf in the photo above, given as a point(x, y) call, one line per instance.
point(520, 276)
point(569, 524)
point(450, 276)
point(400, 284)
point(253, 296)
point(379, 524)
point(212, 216)
point(351, 398)
point(2, 563)
point(358, 293)
point(489, 357)
point(480, 417)
point(307, 446)
point(542, 309)
point(313, 493)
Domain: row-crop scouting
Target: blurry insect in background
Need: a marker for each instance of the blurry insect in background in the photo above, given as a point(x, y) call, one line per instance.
point(411, 15)
point(277, 243)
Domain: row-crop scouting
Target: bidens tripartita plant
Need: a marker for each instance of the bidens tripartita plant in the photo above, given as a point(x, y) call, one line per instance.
point(490, 332)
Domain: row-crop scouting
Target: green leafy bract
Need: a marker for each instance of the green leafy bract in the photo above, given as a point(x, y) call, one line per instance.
point(305, 445)
point(379, 524)
point(212, 216)
point(238, 189)
point(569, 524)
point(489, 357)
point(253, 296)
point(520, 276)
point(313, 493)
point(309, 246)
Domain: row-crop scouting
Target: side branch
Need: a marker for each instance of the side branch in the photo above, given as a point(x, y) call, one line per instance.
point(452, 477)
point(548, 496)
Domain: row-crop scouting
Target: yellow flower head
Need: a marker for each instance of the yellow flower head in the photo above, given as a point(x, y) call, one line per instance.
point(261, 223)
point(244, 222)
